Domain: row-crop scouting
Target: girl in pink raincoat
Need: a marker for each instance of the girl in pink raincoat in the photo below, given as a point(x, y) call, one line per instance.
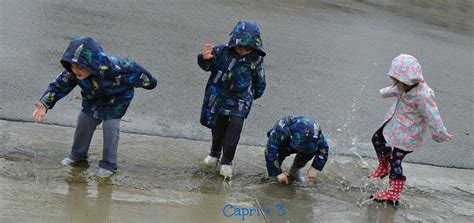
point(405, 124)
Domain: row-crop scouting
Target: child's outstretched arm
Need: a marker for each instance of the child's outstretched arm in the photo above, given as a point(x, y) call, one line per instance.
point(429, 111)
point(205, 58)
point(275, 139)
point(258, 79)
point(320, 159)
point(60, 87)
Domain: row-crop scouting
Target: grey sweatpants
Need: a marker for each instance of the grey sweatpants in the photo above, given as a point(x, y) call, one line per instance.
point(85, 128)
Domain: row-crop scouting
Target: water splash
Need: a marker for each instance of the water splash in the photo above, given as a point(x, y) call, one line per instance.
point(227, 180)
point(365, 202)
point(363, 163)
point(351, 115)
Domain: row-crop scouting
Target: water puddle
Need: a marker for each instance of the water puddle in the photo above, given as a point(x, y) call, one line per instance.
point(155, 182)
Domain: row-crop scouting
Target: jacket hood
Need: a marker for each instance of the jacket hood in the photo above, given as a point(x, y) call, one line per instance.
point(304, 135)
point(406, 69)
point(85, 52)
point(247, 33)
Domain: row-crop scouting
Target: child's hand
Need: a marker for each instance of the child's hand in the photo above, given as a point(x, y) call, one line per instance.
point(40, 111)
point(311, 175)
point(207, 51)
point(450, 137)
point(282, 178)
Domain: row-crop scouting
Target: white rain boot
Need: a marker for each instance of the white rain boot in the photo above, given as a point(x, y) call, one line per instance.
point(211, 161)
point(104, 173)
point(226, 171)
point(67, 162)
point(296, 173)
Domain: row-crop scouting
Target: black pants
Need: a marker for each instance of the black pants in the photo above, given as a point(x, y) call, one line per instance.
point(225, 136)
point(300, 159)
point(393, 156)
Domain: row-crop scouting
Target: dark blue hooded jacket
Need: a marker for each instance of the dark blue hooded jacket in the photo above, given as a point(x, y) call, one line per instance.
point(235, 80)
point(295, 135)
point(108, 91)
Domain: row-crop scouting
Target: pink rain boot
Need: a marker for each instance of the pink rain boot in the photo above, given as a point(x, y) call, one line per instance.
point(392, 195)
point(383, 169)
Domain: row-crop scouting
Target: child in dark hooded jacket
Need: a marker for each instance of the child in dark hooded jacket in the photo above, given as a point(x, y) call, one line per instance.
point(237, 78)
point(107, 88)
point(300, 135)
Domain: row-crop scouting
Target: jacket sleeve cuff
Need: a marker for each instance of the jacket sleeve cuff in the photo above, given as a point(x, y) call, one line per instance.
point(275, 172)
point(389, 92)
point(444, 136)
point(47, 105)
point(278, 172)
point(318, 163)
point(273, 168)
point(320, 168)
point(204, 64)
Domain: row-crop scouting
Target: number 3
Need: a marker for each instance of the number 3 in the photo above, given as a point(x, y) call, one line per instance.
point(281, 209)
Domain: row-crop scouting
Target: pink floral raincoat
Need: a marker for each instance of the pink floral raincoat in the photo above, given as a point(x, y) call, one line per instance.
point(414, 111)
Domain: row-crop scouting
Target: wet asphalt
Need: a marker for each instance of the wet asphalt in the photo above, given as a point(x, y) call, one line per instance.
point(325, 60)
point(161, 179)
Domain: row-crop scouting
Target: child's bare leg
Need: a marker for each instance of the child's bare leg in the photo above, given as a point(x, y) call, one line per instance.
point(111, 137)
point(85, 128)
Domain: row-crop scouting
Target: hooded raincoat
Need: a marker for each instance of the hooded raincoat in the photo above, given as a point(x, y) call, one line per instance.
point(415, 110)
point(235, 80)
point(108, 91)
point(295, 134)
